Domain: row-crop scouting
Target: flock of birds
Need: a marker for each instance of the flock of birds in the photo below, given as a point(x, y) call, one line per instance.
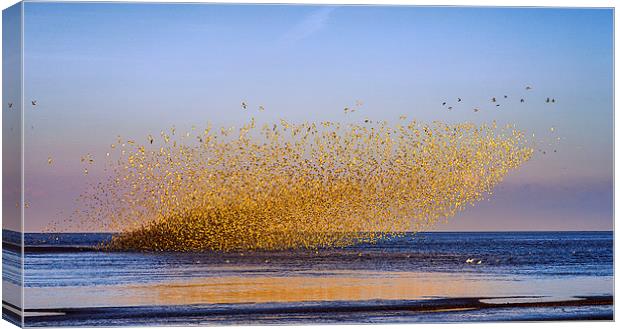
point(495, 101)
point(285, 185)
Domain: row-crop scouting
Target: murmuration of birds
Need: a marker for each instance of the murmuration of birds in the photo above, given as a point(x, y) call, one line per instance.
point(283, 185)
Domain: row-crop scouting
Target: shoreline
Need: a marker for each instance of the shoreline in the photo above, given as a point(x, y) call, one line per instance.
point(278, 312)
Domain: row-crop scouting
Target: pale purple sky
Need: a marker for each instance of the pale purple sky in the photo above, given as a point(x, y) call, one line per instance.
point(100, 70)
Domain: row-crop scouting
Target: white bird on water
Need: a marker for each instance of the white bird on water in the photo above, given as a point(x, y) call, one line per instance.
point(469, 260)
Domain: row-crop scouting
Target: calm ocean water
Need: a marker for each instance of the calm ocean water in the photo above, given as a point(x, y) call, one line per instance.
point(353, 284)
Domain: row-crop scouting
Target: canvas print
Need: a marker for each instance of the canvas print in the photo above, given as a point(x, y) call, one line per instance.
point(283, 164)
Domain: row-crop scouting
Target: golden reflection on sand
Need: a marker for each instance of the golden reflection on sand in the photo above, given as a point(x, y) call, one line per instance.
point(359, 285)
point(367, 286)
point(308, 287)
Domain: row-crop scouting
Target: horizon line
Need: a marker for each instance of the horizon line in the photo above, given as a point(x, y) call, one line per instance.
point(407, 232)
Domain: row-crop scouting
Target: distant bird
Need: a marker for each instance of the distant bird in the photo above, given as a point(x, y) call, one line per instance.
point(493, 100)
point(151, 139)
point(469, 260)
point(458, 99)
point(261, 108)
point(50, 160)
point(553, 100)
point(496, 105)
point(479, 262)
point(522, 100)
point(10, 105)
point(476, 109)
point(528, 88)
point(244, 105)
point(34, 103)
point(346, 109)
point(443, 104)
point(449, 107)
point(547, 101)
point(505, 96)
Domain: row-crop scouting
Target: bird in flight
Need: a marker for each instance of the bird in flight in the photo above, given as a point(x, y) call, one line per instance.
point(449, 107)
point(458, 99)
point(476, 109)
point(528, 88)
point(261, 108)
point(547, 101)
point(244, 105)
point(34, 103)
point(443, 104)
point(553, 100)
point(493, 100)
point(522, 100)
point(10, 105)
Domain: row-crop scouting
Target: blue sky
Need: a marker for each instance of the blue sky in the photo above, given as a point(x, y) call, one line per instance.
point(100, 70)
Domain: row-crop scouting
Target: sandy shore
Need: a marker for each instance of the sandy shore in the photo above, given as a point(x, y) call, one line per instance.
point(433, 310)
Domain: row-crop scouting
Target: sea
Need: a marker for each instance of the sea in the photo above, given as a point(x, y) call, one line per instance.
point(434, 277)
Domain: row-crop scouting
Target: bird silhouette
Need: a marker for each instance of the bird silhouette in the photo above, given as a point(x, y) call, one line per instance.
point(34, 103)
point(547, 101)
point(528, 88)
point(522, 100)
point(244, 105)
point(505, 96)
point(443, 104)
point(10, 105)
point(553, 100)
point(493, 100)
point(458, 99)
